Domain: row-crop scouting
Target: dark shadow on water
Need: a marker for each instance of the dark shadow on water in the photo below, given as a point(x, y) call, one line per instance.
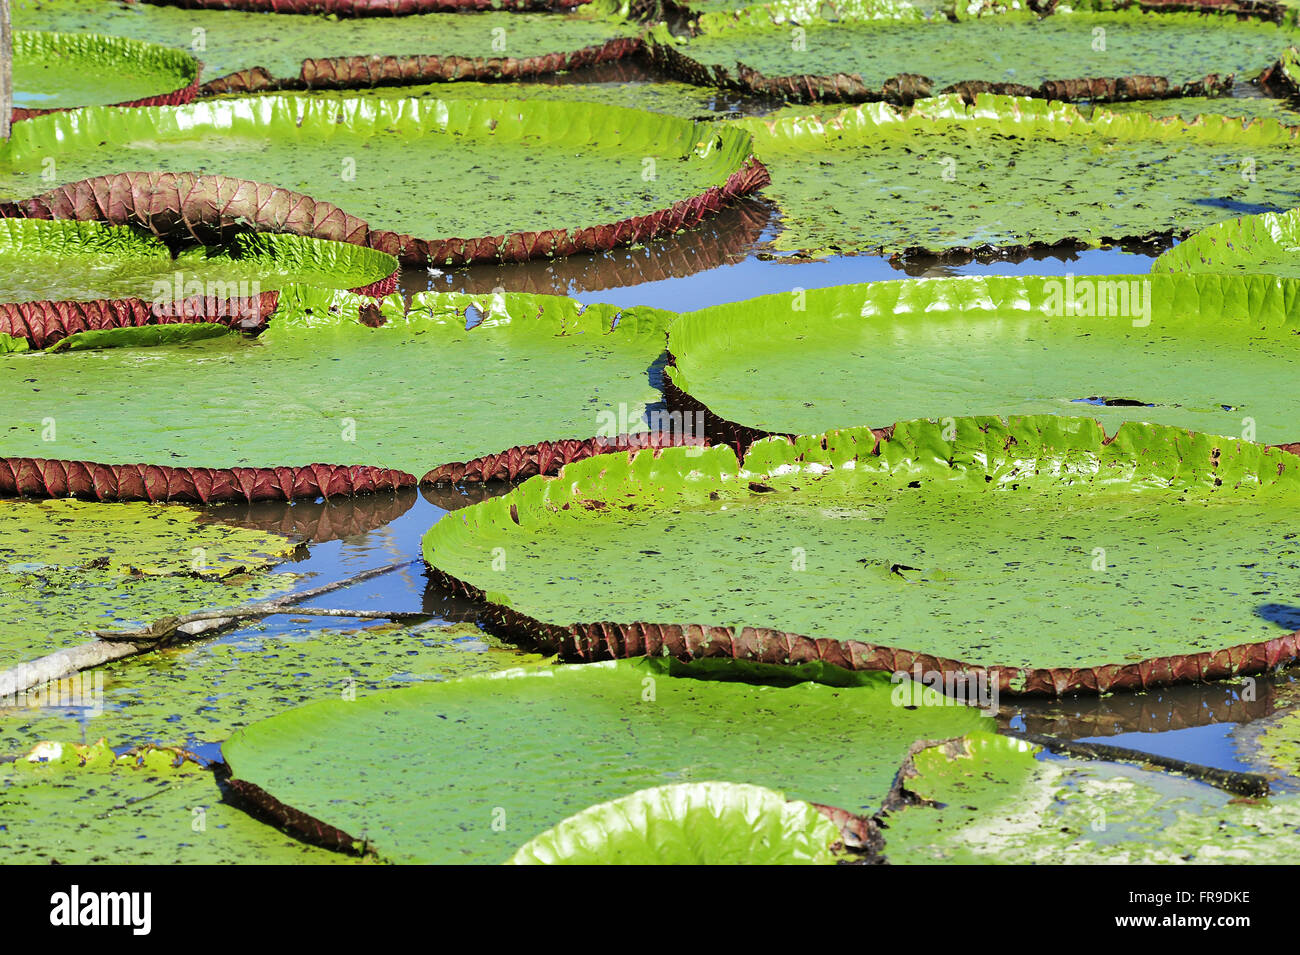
point(1238, 208)
point(1284, 615)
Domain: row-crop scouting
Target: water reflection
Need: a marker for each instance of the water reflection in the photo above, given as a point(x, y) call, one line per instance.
point(728, 258)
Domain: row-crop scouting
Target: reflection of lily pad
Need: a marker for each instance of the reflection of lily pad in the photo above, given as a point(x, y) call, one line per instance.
point(345, 391)
point(1036, 548)
point(999, 804)
point(1013, 172)
point(788, 49)
point(69, 566)
point(228, 41)
point(1209, 353)
point(62, 278)
point(689, 824)
point(54, 71)
point(391, 768)
point(565, 177)
point(1268, 244)
point(86, 806)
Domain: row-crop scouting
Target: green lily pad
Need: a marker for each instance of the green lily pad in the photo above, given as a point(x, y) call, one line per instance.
point(1206, 352)
point(1267, 244)
point(675, 99)
point(61, 262)
point(67, 70)
point(1009, 172)
point(689, 824)
point(999, 804)
point(850, 57)
point(391, 768)
point(67, 567)
point(199, 693)
point(81, 805)
point(1035, 547)
point(1245, 108)
point(546, 177)
point(228, 41)
point(417, 392)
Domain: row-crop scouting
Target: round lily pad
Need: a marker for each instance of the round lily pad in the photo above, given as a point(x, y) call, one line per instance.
point(390, 174)
point(57, 71)
point(1007, 173)
point(267, 47)
point(883, 51)
point(690, 824)
point(367, 8)
point(994, 800)
point(85, 283)
point(1246, 108)
point(531, 369)
point(1035, 554)
point(67, 567)
point(72, 804)
point(1209, 353)
point(196, 694)
point(1268, 244)
point(391, 769)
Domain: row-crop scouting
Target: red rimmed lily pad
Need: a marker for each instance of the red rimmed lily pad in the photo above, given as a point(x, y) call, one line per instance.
point(1035, 555)
point(567, 177)
point(58, 71)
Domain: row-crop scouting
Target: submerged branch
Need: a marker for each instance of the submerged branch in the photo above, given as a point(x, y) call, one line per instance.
point(117, 644)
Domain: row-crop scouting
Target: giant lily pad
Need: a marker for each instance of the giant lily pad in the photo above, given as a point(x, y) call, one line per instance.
point(565, 177)
point(533, 369)
point(1268, 243)
point(690, 824)
point(391, 768)
point(71, 566)
point(1206, 352)
point(998, 803)
point(63, 278)
point(876, 50)
point(627, 88)
point(1007, 172)
point(54, 71)
point(197, 694)
point(367, 8)
point(1246, 108)
point(1036, 551)
point(74, 804)
point(263, 47)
